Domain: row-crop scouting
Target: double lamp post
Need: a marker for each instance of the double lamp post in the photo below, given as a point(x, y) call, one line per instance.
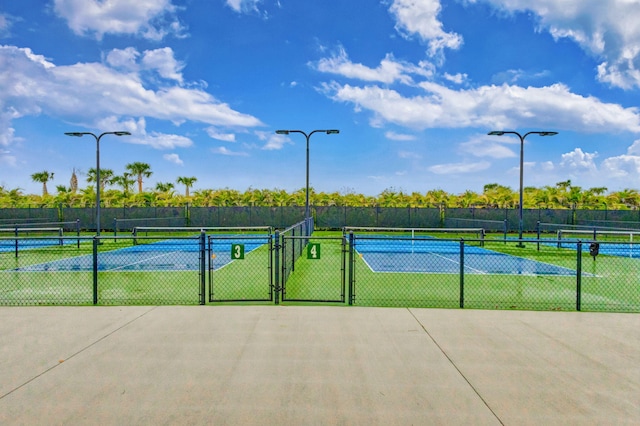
point(97, 138)
point(307, 136)
point(522, 138)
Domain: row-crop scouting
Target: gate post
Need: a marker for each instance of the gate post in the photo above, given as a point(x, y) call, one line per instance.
point(461, 273)
point(203, 266)
point(276, 268)
point(579, 278)
point(95, 270)
point(351, 268)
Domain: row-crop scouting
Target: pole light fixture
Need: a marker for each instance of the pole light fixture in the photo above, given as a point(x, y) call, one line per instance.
point(308, 136)
point(522, 138)
point(97, 138)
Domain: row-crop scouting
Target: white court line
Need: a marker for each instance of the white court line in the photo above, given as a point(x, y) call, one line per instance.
point(144, 260)
point(479, 271)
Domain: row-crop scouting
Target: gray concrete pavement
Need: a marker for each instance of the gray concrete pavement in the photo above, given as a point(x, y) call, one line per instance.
point(316, 365)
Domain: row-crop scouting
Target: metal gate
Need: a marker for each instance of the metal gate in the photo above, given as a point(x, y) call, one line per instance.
point(313, 269)
point(240, 268)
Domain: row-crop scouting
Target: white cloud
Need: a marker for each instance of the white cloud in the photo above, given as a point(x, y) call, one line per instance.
point(160, 61)
point(163, 141)
point(634, 149)
point(151, 19)
point(5, 24)
point(399, 136)
point(224, 151)
point(623, 166)
point(409, 155)
point(552, 107)
point(274, 142)
point(458, 168)
point(216, 134)
point(7, 159)
point(547, 166)
point(163, 61)
point(456, 78)
point(606, 29)
point(243, 5)
point(579, 160)
point(126, 59)
point(486, 146)
point(173, 158)
point(389, 71)
point(139, 134)
point(79, 93)
point(421, 17)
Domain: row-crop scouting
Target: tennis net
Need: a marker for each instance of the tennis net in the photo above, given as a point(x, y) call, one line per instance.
point(188, 235)
point(18, 237)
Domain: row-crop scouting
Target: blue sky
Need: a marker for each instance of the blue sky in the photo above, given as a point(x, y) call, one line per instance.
point(413, 86)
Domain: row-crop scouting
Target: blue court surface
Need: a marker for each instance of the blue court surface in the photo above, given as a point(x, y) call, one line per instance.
point(631, 249)
point(169, 255)
point(443, 257)
point(9, 244)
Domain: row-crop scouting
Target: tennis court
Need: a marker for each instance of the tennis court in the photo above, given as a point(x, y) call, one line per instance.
point(179, 254)
point(443, 256)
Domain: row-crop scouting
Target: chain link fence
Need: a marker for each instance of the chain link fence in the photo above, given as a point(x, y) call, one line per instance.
point(580, 271)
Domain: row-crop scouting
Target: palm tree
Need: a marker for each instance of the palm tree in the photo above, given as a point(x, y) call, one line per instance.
point(141, 170)
point(187, 182)
point(164, 187)
point(43, 177)
point(73, 182)
point(123, 181)
point(106, 176)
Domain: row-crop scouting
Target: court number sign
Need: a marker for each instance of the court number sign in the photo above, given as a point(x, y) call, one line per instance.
point(237, 251)
point(313, 251)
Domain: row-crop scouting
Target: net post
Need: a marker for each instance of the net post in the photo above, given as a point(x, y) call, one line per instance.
point(504, 230)
point(276, 268)
point(61, 236)
point(16, 235)
point(461, 273)
point(78, 232)
point(538, 233)
point(135, 235)
point(579, 277)
point(559, 234)
point(115, 229)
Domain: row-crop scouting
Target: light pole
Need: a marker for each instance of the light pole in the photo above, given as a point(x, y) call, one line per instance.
point(501, 133)
point(308, 136)
point(97, 138)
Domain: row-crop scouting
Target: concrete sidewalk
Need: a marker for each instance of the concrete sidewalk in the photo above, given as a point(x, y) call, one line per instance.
point(291, 365)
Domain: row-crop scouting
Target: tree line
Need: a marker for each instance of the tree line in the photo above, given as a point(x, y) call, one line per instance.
point(118, 191)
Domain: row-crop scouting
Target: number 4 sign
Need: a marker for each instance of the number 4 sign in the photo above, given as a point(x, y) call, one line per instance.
point(237, 251)
point(313, 251)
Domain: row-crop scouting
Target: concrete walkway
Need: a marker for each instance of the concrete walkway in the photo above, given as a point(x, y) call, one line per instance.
point(293, 365)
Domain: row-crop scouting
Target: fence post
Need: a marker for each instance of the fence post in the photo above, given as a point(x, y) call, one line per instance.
point(95, 270)
point(203, 266)
point(276, 268)
point(461, 273)
point(579, 278)
point(351, 267)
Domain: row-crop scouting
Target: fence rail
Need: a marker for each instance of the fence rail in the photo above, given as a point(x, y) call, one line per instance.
point(350, 269)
